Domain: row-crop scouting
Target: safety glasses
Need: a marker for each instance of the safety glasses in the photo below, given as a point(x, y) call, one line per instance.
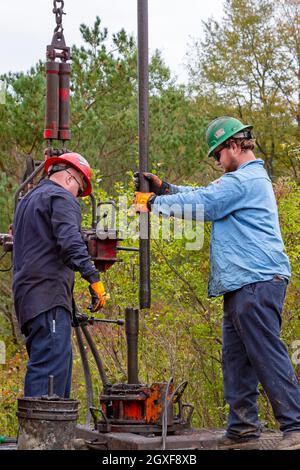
point(217, 153)
point(81, 189)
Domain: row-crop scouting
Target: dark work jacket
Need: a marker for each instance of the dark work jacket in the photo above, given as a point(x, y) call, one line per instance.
point(48, 248)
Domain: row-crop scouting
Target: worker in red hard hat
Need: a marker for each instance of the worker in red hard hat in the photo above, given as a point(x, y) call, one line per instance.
point(48, 248)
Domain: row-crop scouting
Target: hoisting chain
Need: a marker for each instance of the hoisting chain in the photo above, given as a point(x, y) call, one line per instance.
point(58, 6)
point(58, 40)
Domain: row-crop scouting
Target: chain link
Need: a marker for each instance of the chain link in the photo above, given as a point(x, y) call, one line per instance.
point(58, 41)
point(58, 6)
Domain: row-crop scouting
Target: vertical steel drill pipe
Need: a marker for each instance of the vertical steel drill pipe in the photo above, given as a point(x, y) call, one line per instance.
point(87, 374)
point(52, 101)
point(96, 355)
point(132, 330)
point(143, 75)
point(64, 132)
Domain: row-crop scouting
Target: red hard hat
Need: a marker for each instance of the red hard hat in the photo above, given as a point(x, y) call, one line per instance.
point(78, 162)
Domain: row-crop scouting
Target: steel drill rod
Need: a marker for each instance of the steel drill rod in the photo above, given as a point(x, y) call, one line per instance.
point(132, 331)
point(143, 76)
point(105, 320)
point(96, 355)
point(127, 248)
point(87, 375)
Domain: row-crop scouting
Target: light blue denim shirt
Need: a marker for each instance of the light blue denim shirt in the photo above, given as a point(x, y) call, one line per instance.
point(246, 243)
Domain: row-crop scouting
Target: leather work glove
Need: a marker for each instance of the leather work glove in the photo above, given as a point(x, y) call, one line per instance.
point(97, 291)
point(142, 201)
point(156, 185)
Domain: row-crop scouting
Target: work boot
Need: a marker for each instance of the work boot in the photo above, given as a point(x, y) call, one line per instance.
point(226, 443)
point(290, 441)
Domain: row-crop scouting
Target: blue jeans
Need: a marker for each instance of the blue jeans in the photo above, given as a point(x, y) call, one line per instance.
point(253, 353)
point(48, 343)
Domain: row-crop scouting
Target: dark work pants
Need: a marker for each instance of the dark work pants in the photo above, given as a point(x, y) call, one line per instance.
point(48, 343)
point(253, 353)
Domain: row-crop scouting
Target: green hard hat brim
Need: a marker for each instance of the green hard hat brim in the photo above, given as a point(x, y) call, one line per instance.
point(227, 137)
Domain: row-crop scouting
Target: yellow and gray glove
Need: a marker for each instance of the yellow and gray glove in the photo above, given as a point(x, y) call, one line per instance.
point(98, 296)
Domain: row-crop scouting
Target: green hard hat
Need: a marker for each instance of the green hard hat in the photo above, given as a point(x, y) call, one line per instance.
point(221, 129)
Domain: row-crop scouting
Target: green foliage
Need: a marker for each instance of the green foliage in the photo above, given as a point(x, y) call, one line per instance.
point(6, 185)
point(177, 134)
point(288, 196)
point(22, 119)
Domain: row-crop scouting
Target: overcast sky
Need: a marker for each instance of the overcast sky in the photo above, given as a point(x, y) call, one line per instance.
point(26, 27)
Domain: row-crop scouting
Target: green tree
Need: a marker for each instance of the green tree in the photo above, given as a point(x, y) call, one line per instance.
point(289, 36)
point(105, 119)
point(104, 111)
point(241, 63)
point(22, 119)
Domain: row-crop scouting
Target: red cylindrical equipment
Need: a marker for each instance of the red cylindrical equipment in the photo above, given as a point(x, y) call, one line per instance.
point(52, 101)
point(64, 101)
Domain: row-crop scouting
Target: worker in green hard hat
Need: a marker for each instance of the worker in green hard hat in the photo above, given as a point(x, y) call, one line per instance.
point(249, 267)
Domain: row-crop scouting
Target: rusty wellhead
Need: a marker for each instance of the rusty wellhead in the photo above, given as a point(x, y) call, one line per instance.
point(47, 422)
